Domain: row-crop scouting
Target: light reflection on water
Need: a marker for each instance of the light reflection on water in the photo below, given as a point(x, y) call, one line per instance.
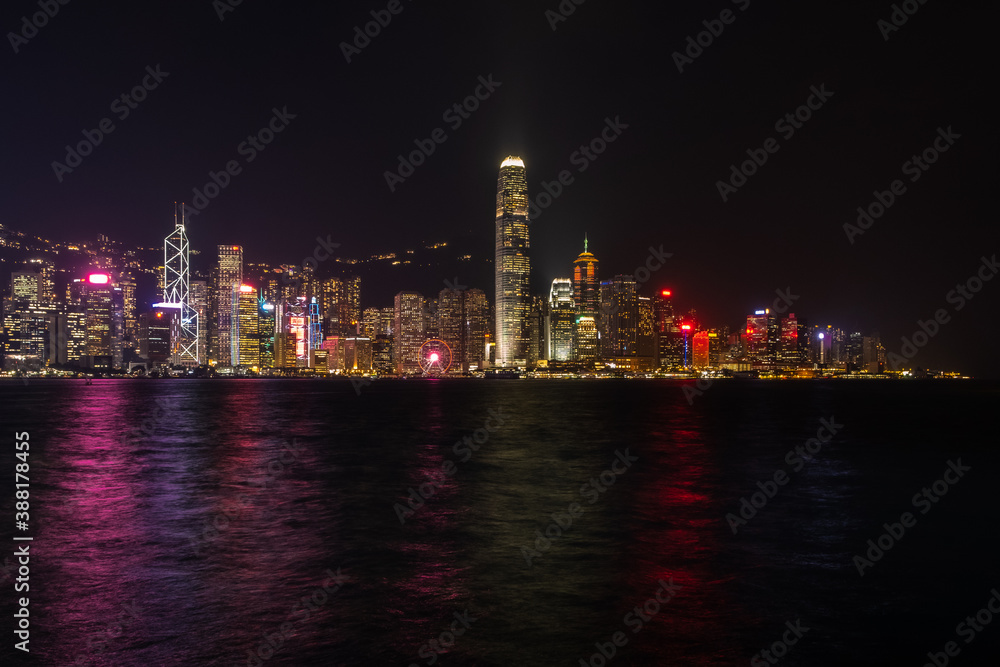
point(219, 525)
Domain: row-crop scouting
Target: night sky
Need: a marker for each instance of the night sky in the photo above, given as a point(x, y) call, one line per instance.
point(654, 185)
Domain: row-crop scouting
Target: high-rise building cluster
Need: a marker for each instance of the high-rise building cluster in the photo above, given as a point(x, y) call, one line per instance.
point(244, 318)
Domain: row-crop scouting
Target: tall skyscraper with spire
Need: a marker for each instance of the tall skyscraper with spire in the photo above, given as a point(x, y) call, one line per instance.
point(586, 287)
point(586, 294)
point(176, 290)
point(513, 298)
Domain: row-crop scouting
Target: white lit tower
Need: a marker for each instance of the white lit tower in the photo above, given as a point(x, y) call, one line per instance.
point(513, 299)
point(176, 289)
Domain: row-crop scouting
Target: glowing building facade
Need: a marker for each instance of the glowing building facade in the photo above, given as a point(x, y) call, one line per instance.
point(228, 277)
point(26, 326)
point(340, 305)
point(67, 337)
point(476, 316)
point(560, 321)
point(756, 335)
point(26, 285)
point(586, 287)
point(199, 300)
point(461, 322)
point(700, 350)
point(513, 298)
point(248, 314)
point(268, 326)
point(410, 331)
point(293, 335)
point(102, 332)
point(586, 295)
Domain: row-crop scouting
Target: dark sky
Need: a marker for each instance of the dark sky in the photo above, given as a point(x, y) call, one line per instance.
point(655, 185)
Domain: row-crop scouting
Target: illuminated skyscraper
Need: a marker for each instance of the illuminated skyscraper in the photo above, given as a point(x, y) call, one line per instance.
point(451, 324)
point(537, 318)
point(789, 354)
point(26, 327)
point(127, 283)
point(26, 286)
point(757, 336)
point(47, 269)
point(117, 327)
point(248, 313)
point(199, 295)
point(340, 305)
point(513, 299)
point(587, 350)
point(670, 349)
point(100, 304)
point(461, 323)
point(829, 346)
point(357, 355)
point(67, 337)
point(586, 295)
point(376, 321)
point(700, 348)
point(561, 320)
point(268, 326)
point(410, 331)
point(646, 332)
point(665, 319)
point(773, 338)
point(212, 294)
point(382, 362)
point(229, 277)
point(176, 286)
point(586, 287)
point(292, 338)
point(477, 314)
point(315, 325)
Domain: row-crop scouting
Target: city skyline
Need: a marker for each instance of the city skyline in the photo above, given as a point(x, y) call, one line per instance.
point(608, 321)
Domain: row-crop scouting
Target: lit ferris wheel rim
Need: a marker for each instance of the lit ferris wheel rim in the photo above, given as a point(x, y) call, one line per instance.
point(435, 356)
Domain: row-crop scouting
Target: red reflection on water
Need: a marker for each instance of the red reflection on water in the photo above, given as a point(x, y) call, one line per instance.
point(680, 541)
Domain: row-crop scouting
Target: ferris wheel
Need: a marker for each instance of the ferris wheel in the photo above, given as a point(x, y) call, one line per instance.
point(435, 357)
